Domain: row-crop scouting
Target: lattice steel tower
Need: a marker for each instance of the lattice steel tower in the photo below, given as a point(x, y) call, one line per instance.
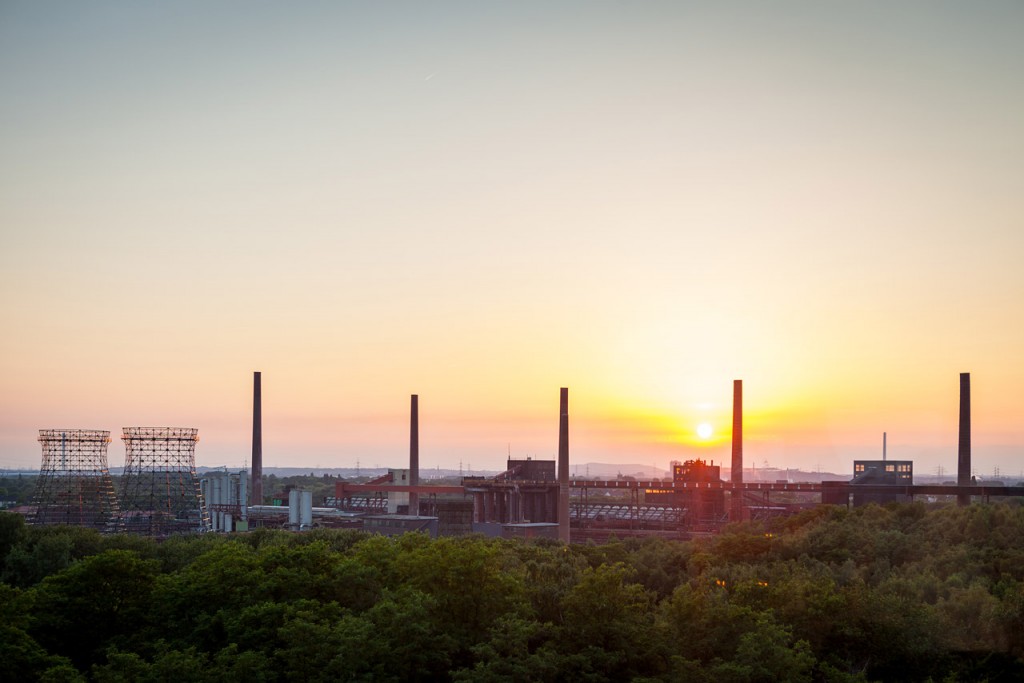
point(74, 485)
point(160, 492)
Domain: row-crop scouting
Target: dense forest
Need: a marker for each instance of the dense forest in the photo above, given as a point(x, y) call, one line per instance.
point(876, 593)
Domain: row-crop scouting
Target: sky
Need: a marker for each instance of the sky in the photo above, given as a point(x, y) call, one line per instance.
point(480, 203)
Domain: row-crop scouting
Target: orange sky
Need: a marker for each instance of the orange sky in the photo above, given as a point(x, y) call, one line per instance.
point(480, 204)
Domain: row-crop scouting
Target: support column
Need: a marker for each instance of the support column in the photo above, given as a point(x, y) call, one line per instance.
point(478, 507)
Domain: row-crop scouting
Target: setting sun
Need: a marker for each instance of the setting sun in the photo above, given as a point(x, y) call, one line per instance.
point(704, 430)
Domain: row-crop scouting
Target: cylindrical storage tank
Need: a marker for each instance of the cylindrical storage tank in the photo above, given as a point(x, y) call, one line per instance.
point(228, 523)
point(307, 509)
point(293, 508)
point(243, 501)
point(213, 501)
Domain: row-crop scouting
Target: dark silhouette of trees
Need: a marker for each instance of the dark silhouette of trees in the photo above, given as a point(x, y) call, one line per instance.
point(900, 593)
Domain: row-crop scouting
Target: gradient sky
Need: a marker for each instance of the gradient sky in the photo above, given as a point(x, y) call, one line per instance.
point(482, 202)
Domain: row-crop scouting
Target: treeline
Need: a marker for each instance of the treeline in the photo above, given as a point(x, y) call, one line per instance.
point(894, 593)
point(17, 489)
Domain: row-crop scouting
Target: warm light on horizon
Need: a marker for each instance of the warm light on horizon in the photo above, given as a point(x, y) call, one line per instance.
point(640, 215)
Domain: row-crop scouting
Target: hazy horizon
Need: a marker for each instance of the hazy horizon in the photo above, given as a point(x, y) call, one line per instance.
point(480, 203)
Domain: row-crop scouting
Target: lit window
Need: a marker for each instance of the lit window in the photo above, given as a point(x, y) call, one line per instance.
point(890, 468)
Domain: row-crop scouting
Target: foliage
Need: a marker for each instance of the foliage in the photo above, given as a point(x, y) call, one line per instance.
point(901, 592)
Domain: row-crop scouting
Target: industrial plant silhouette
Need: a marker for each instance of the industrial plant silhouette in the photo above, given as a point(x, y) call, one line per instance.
point(160, 493)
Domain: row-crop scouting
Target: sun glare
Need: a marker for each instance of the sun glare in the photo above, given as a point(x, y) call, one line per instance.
point(704, 430)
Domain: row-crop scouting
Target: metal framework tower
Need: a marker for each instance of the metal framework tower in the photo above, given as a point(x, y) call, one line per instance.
point(160, 493)
point(74, 485)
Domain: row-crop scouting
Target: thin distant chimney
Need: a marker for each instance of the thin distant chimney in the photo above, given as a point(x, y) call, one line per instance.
point(257, 441)
point(563, 465)
point(737, 431)
point(883, 446)
point(736, 497)
point(963, 470)
point(414, 454)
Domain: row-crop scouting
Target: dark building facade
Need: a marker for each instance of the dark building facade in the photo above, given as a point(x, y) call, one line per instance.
point(531, 470)
point(526, 492)
point(704, 507)
point(881, 473)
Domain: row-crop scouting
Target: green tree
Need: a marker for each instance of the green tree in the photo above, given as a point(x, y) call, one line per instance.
point(472, 581)
point(191, 604)
point(98, 602)
point(608, 620)
point(21, 657)
point(12, 532)
point(768, 653)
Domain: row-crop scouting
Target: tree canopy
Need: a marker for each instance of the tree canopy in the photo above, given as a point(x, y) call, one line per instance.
point(891, 593)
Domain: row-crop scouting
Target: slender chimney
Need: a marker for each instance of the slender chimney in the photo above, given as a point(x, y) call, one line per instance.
point(736, 475)
point(414, 454)
point(563, 465)
point(883, 446)
point(737, 431)
point(257, 441)
point(963, 470)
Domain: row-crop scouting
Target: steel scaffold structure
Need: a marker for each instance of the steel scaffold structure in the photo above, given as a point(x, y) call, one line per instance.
point(160, 492)
point(74, 485)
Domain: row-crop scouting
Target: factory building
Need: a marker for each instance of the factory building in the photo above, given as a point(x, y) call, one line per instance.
point(703, 506)
point(526, 492)
point(881, 473)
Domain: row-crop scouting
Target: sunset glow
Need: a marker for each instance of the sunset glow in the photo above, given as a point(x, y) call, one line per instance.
point(480, 203)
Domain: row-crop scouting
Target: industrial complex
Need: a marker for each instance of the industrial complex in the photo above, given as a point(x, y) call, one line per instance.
point(160, 493)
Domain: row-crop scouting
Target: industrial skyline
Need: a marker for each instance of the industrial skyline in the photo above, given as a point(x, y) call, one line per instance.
point(964, 469)
point(478, 204)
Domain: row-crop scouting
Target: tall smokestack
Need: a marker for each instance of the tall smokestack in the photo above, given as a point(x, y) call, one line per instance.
point(257, 441)
point(963, 469)
point(737, 431)
point(563, 465)
point(736, 497)
point(414, 454)
point(883, 446)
